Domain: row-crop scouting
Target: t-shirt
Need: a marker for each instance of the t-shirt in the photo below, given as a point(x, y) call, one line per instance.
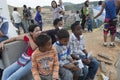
point(77, 17)
point(16, 17)
point(45, 63)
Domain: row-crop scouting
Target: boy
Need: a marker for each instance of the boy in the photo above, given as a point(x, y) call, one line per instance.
point(68, 69)
point(52, 33)
point(89, 23)
point(45, 64)
point(78, 50)
point(38, 17)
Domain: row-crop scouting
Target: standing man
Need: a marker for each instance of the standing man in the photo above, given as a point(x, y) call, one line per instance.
point(110, 20)
point(18, 21)
point(38, 17)
point(3, 29)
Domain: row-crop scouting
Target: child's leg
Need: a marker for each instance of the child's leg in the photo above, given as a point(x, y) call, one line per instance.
point(65, 74)
point(77, 74)
point(22, 71)
point(10, 70)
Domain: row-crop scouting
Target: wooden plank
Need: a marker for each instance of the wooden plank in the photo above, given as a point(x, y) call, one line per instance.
point(106, 62)
point(105, 56)
point(103, 67)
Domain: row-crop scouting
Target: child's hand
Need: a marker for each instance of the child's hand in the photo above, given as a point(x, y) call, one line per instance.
point(73, 67)
point(86, 61)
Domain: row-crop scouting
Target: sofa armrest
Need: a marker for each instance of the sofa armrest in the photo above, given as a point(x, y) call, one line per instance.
point(12, 52)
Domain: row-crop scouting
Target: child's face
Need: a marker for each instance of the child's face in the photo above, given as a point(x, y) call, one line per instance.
point(47, 46)
point(78, 30)
point(59, 24)
point(39, 9)
point(64, 41)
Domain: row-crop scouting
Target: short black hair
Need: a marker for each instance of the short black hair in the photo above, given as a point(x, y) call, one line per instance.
point(77, 11)
point(56, 21)
point(74, 25)
point(15, 9)
point(42, 39)
point(37, 8)
point(32, 27)
point(62, 34)
point(100, 2)
point(24, 6)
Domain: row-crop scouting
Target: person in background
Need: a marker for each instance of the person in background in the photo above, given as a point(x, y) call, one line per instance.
point(110, 21)
point(38, 17)
point(17, 20)
point(57, 9)
point(89, 21)
point(52, 33)
point(78, 50)
point(77, 16)
point(3, 29)
point(68, 69)
point(98, 21)
point(32, 15)
point(84, 13)
point(23, 65)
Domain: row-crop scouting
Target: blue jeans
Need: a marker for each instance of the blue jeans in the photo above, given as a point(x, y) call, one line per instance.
point(3, 38)
point(18, 25)
point(92, 68)
point(16, 72)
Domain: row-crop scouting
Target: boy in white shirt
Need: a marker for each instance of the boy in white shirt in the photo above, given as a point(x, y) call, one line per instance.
point(78, 50)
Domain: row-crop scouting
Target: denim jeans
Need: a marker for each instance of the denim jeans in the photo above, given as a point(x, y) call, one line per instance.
point(16, 71)
point(92, 68)
point(18, 25)
point(3, 38)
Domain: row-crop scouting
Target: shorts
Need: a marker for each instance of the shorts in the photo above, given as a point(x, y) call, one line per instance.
point(108, 28)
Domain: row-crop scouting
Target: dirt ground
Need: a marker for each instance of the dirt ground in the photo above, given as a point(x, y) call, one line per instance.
point(94, 41)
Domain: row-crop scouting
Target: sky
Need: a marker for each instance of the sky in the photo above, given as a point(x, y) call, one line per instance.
point(34, 3)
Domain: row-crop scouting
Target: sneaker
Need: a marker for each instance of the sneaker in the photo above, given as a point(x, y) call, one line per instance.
point(112, 45)
point(105, 45)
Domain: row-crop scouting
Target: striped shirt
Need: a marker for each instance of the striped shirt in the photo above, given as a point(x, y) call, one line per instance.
point(45, 63)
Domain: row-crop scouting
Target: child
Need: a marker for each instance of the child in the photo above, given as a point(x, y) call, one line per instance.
point(68, 70)
point(89, 23)
point(52, 33)
point(77, 16)
point(78, 50)
point(45, 64)
point(38, 17)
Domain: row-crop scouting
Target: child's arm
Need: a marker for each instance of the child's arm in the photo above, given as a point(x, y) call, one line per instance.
point(55, 75)
point(34, 69)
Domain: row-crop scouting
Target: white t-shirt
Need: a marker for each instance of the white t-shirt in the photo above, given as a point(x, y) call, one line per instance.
point(77, 17)
point(16, 17)
point(76, 45)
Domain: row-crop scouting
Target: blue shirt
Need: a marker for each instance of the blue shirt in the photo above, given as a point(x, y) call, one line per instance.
point(38, 17)
point(110, 9)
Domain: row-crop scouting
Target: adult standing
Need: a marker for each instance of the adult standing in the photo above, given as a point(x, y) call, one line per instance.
point(84, 12)
point(110, 20)
point(18, 22)
point(57, 9)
